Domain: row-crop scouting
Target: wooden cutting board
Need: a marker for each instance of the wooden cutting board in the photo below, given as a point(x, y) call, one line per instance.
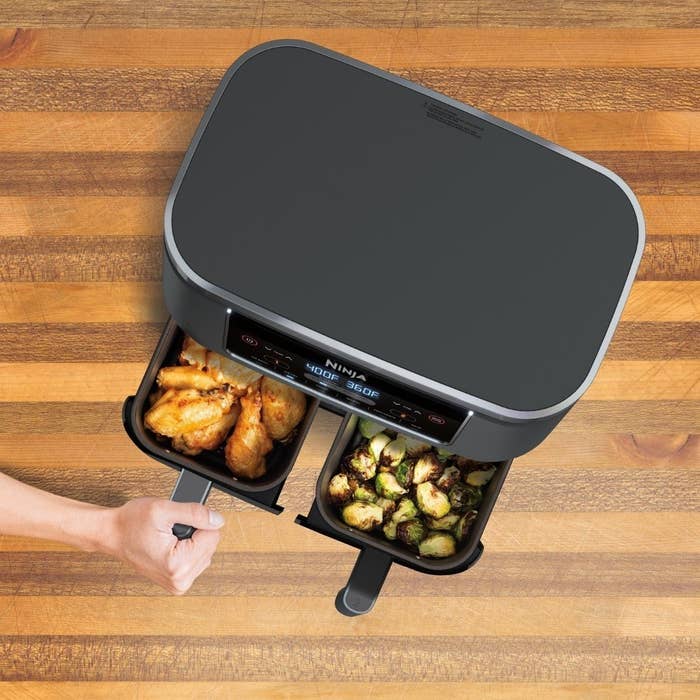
point(590, 579)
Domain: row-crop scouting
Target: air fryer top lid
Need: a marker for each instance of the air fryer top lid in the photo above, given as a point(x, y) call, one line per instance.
point(382, 216)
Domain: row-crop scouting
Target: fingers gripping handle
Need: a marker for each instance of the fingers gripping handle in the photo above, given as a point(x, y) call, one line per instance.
point(365, 582)
point(190, 488)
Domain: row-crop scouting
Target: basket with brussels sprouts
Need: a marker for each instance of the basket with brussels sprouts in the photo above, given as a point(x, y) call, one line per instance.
point(409, 492)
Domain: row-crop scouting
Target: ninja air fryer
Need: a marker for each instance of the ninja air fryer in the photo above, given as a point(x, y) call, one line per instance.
point(398, 256)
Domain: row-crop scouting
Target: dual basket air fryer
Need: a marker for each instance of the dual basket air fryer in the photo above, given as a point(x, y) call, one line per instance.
point(455, 278)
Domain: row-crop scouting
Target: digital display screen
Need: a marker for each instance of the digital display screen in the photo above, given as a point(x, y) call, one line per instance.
point(352, 385)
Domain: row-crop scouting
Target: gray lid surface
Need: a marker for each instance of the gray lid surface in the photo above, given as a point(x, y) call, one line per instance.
point(390, 221)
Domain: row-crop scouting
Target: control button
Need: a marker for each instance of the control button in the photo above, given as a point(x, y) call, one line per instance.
point(268, 359)
point(281, 365)
point(436, 419)
point(249, 340)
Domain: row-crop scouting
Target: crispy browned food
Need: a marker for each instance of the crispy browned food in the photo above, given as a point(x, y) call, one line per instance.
point(221, 369)
point(185, 378)
point(181, 411)
point(283, 407)
point(249, 443)
point(210, 437)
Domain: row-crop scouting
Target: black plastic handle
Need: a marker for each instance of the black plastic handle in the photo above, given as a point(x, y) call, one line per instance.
point(365, 583)
point(190, 488)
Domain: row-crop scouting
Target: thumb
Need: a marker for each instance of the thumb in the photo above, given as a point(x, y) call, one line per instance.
point(194, 514)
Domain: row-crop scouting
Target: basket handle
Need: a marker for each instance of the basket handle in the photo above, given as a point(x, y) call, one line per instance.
point(365, 583)
point(189, 488)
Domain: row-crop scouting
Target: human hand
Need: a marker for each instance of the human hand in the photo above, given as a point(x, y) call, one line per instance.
point(140, 533)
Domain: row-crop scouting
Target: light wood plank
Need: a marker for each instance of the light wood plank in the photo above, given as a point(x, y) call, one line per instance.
point(81, 216)
point(141, 302)
point(628, 380)
point(314, 617)
point(75, 302)
point(137, 132)
point(182, 658)
point(143, 216)
point(421, 47)
point(667, 532)
point(561, 450)
point(116, 690)
point(315, 574)
point(588, 417)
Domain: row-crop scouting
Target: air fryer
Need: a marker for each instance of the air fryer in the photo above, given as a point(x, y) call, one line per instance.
point(396, 255)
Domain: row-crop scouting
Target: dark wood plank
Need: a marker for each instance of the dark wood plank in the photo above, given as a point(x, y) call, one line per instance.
point(94, 342)
point(649, 341)
point(81, 259)
point(526, 489)
point(51, 174)
point(95, 258)
point(302, 574)
point(341, 13)
point(99, 658)
point(135, 342)
point(491, 89)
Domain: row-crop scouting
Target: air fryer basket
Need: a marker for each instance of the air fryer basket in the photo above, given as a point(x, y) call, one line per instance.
point(377, 554)
point(210, 467)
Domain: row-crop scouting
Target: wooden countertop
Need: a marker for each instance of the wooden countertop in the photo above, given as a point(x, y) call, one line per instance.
point(589, 582)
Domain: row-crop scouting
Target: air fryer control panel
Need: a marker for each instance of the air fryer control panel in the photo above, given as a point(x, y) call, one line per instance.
point(350, 384)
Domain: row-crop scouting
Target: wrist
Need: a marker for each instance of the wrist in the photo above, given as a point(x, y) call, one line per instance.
point(90, 528)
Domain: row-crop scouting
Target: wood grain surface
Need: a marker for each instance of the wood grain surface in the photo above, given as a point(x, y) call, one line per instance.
point(590, 581)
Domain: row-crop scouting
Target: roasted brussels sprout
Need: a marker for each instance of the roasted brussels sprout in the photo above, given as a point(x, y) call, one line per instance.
point(339, 489)
point(431, 500)
point(387, 505)
point(377, 444)
point(464, 524)
point(481, 475)
point(368, 429)
point(443, 453)
point(364, 492)
point(437, 545)
point(449, 478)
point(362, 464)
point(415, 447)
point(427, 467)
point(363, 516)
point(404, 473)
point(388, 487)
point(464, 497)
point(411, 532)
point(447, 522)
point(393, 453)
point(405, 510)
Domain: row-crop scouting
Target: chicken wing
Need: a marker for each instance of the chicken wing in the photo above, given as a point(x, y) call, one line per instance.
point(185, 378)
point(181, 411)
point(283, 407)
point(220, 368)
point(249, 442)
point(209, 437)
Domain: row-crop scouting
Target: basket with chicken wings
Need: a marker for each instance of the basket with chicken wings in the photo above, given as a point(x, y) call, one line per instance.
point(205, 412)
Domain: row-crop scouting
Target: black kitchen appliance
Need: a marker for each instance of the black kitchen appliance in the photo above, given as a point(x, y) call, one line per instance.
point(397, 255)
